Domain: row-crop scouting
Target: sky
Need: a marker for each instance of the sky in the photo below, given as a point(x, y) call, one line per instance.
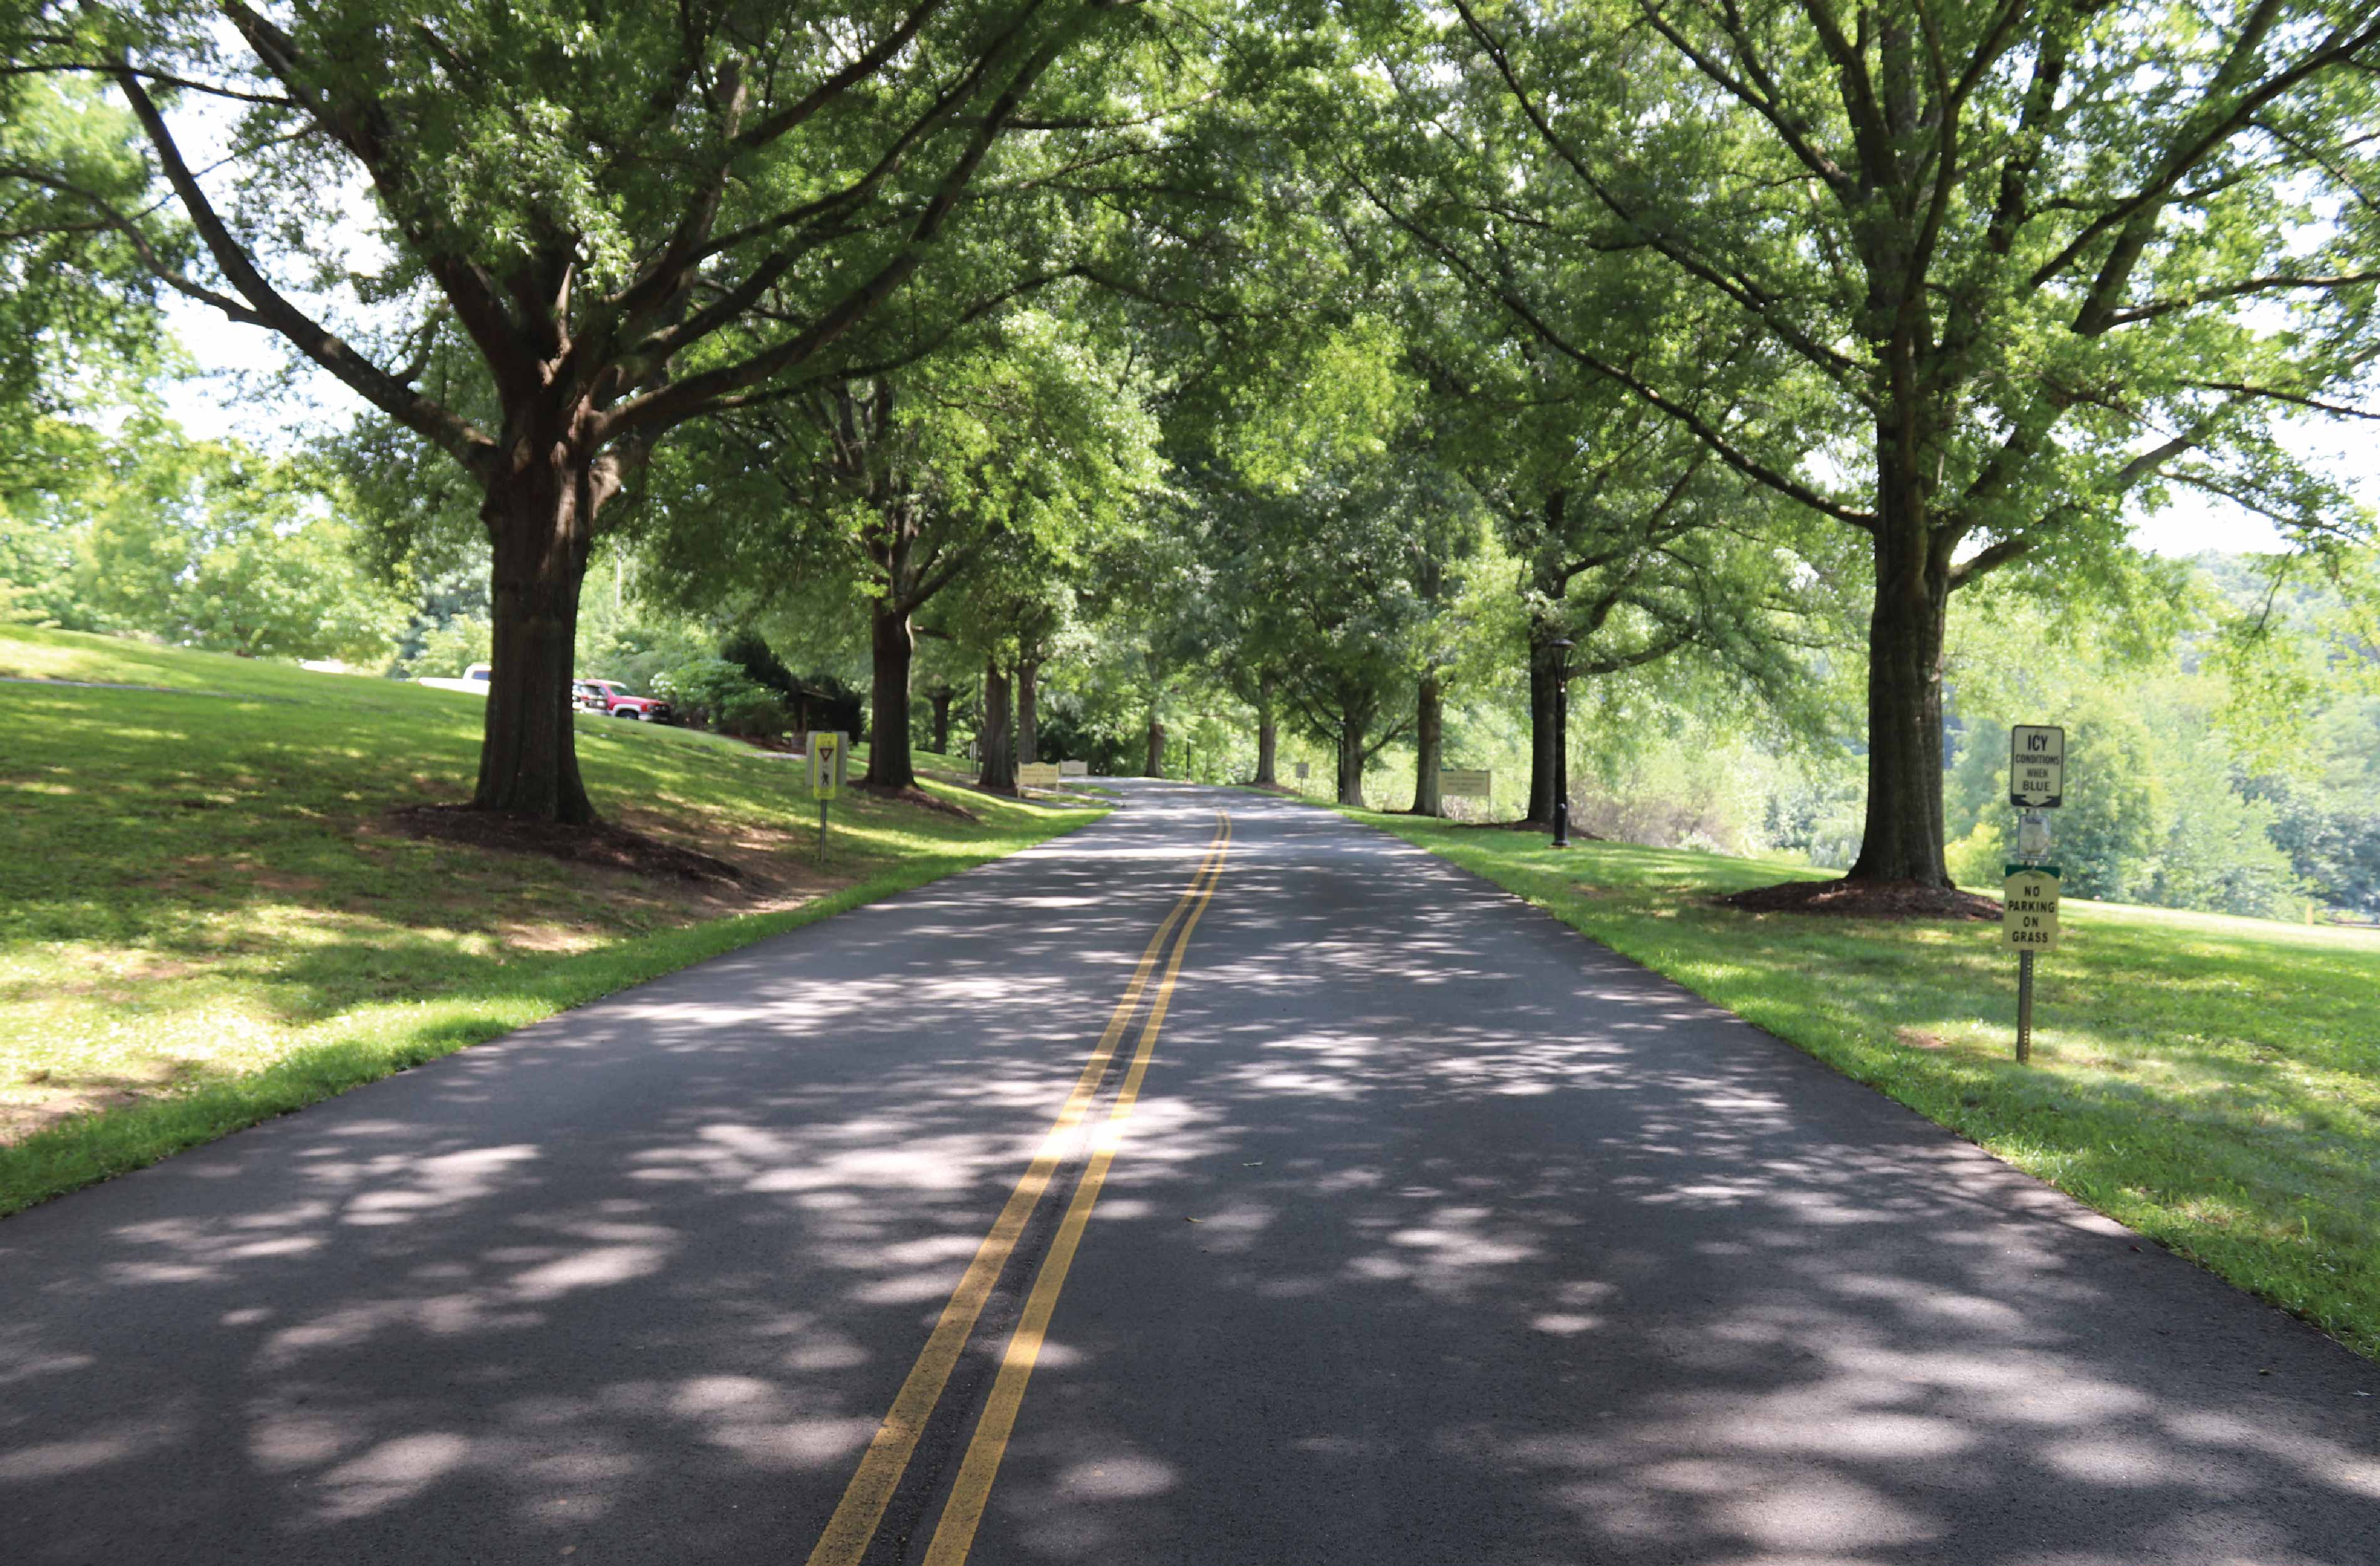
point(211, 406)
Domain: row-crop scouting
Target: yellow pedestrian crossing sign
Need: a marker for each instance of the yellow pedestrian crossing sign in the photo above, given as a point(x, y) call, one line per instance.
point(830, 752)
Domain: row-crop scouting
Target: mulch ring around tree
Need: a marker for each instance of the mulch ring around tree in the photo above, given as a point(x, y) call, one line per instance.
point(604, 843)
point(1864, 900)
point(922, 800)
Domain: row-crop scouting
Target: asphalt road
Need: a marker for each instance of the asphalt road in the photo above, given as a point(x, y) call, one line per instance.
point(1428, 1233)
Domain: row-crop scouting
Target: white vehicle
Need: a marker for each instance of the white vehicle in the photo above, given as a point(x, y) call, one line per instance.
point(475, 678)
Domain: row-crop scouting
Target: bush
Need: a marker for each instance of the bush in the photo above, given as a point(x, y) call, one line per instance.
point(454, 647)
point(720, 695)
point(750, 652)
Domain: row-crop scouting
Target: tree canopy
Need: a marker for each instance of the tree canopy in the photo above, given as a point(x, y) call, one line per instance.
point(1360, 377)
point(1961, 278)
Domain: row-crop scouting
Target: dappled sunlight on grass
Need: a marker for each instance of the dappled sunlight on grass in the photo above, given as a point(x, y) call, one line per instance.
point(1441, 1236)
point(2212, 1080)
point(1436, 1235)
point(216, 887)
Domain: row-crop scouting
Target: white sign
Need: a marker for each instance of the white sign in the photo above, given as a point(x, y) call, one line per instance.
point(2029, 907)
point(1301, 771)
point(2036, 767)
point(1466, 782)
point(1073, 768)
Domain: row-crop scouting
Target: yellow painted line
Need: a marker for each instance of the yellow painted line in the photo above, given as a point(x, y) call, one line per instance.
point(886, 1457)
point(954, 1534)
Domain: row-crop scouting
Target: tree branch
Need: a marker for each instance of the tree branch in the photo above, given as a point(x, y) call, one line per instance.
point(2030, 537)
point(1701, 429)
point(266, 306)
point(674, 401)
point(2156, 308)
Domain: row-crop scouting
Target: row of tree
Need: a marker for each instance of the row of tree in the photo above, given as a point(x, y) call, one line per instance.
point(1253, 327)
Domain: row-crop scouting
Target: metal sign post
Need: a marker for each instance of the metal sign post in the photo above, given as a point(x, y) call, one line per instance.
point(2029, 923)
point(2028, 897)
point(830, 756)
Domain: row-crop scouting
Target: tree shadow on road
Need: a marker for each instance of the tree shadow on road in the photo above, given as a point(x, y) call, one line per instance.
point(1504, 1251)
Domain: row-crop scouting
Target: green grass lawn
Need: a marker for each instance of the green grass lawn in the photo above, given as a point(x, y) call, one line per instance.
point(2212, 1082)
point(206, 918)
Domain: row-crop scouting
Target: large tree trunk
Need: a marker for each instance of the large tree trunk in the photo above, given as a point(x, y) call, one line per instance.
point(1902, 841)
point(1351, 760)
point(1267, 736)
point(891, 648)
point(1156, 768)
point(1430, 731)
point(540, 522)
point(998, 738)
point(1028, 722)
point(941, 697)
point(1545, 663)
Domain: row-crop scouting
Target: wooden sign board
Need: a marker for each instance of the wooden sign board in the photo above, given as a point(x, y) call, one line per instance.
point(1037, 774)
point(829, 752)
point(1073, 768)
point(2036, 767)
point(1466, 782)
point(2029, 907)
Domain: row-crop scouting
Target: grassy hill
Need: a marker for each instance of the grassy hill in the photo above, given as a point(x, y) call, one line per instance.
point(209, 913)
point(2212, 1082)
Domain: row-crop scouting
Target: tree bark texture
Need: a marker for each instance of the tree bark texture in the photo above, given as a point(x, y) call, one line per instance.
point(1156, 766)
point(998, 771)
point(1902, 840)
point(1267, 736)
point(1351, 760)
point(1430, 732)
point(941, 697)
point(539, 520)
point(1028, 730)
point(891, 646)
point(1544, 662)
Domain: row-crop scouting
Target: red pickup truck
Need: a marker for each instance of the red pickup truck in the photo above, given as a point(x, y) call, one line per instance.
point(613, 699)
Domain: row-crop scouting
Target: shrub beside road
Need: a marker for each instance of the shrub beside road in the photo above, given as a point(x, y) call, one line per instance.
point(209, 915)
point(2212, 1082)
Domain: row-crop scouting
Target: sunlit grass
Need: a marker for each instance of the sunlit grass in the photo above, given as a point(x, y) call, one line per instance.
point(2213, 1082)
point(206, 919)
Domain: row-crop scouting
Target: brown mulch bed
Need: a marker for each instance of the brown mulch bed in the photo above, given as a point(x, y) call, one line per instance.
point(1864, 900)
point(606, 843)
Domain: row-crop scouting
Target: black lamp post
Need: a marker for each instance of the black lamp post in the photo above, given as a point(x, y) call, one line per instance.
point(1562, 645)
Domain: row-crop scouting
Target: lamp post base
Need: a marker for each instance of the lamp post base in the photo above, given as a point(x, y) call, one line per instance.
point(1562, 823)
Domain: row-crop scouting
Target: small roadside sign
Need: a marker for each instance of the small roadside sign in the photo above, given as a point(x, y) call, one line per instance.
point(830, 756)
point(1466, 782)
point(2029, 907)
point(1037, 774)
point(2036, 767)
point(1302, 771)
point(1073, 768)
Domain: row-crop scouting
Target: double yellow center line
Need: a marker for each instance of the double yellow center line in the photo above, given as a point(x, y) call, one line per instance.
point(856, 1516)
